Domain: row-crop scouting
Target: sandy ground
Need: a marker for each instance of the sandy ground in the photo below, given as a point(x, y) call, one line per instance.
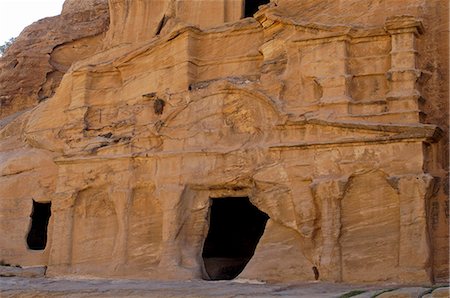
point(48, 287)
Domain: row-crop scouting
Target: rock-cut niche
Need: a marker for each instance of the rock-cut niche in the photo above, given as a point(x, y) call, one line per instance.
point(251, 7)
point(37, 236)
point(234, 231)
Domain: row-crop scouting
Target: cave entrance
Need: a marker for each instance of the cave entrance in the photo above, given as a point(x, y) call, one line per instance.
point(234, 231)
point(37, 236)
point(251, 7)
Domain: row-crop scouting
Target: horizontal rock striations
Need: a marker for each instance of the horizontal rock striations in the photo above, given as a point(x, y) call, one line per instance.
point(305, 142)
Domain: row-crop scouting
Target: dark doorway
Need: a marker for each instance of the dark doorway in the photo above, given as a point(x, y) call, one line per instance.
point(235, 229)
point(251, 7)
point(37, 236)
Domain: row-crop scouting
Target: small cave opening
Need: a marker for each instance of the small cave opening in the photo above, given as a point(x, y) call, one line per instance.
point(251, 7)
point(37, 236)
point(235, 228)
point(316, 273)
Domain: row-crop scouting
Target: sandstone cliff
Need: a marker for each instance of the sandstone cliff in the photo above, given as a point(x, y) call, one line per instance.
point(306, 142)
point(34, 65)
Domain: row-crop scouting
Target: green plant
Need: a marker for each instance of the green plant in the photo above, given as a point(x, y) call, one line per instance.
point(383, 291)
point(6, 45)
point(352, 293)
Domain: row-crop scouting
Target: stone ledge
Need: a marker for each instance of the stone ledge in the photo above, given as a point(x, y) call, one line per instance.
point(28, 272)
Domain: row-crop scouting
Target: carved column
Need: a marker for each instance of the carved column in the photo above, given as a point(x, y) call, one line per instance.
point(78, 108)
point(171, 204)
point(414, 246)
point(60, 258)
point(193, 228)
point(120, 193)
point(121, 198)
point(329, 193)
point(404, 94)
point(320, 66)
point(335, 84)
point(233, 10)
point(81, 80)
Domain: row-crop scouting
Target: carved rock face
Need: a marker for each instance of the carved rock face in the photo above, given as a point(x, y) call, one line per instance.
point(315, 119)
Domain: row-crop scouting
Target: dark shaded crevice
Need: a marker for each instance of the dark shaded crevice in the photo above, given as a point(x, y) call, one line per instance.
point(40, 216)
point(235, 229)
point(161, 25)
point(316, 273)
point(251, 7)
point(158, 106)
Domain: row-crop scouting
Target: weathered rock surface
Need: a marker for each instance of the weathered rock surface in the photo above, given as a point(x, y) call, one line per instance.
point(27, 272)
point(443, 292)
point(413, 292)
point(312, 111)
point(405, 292)
point(20, 287)
point(25, 287)
point(35, 63)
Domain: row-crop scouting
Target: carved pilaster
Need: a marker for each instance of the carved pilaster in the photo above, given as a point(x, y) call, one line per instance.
point(321, 66)
point(122, 199)
point(328, 194)
point(120, 193)
point(414, 246)
point(171, 206)
point(404, 94)
point(80, 86)
point(60, 257)
point(335, 85)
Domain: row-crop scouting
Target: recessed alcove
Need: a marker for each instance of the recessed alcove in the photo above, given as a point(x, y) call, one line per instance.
point(234, 231)
point(251, 6)
point(37, 235)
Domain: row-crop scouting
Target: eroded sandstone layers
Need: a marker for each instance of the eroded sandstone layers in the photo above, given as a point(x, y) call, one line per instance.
point(190, 141)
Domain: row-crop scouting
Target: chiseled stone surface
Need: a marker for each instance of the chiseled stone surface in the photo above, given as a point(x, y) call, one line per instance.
point(314, 110)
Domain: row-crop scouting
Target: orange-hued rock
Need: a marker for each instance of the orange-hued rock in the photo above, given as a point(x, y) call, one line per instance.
point(308, 142)
point(34, 65)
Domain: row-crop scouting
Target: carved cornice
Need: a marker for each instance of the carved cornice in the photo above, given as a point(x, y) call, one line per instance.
point(404, 24)
point(393, 25)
